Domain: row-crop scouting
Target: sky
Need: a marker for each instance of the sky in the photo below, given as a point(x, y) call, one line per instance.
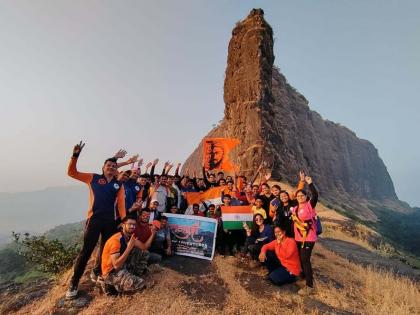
point(147, 76)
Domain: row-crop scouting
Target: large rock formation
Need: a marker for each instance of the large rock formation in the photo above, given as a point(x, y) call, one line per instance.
point(278, 130)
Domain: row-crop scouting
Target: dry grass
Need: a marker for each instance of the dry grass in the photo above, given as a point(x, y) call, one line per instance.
point(386, 293)
point(341, 287)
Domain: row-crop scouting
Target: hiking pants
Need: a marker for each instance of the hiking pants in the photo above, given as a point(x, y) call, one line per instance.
point(305, 261)
point(94, 228)
point(277, 273)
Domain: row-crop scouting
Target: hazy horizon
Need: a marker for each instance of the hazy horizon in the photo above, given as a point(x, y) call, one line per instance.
point(148, 77)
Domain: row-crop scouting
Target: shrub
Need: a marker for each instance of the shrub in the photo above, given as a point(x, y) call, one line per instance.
point(50, 256)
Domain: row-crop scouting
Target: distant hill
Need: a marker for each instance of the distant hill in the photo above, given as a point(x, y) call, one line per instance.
point(38, 211)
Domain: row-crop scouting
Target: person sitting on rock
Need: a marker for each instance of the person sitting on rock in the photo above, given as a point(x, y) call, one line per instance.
point(122, 263)
point(281, 257)
point(257, 236)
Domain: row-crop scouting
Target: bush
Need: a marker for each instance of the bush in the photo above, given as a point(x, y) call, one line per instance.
point(50, 256)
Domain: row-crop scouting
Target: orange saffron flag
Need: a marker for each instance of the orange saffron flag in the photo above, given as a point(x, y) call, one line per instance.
point(216, 154)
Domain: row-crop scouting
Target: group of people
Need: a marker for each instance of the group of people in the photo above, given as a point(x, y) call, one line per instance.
point(127, 213)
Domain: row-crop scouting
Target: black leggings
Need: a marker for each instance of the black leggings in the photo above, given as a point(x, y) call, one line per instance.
point(94, 228)
point(305, 260)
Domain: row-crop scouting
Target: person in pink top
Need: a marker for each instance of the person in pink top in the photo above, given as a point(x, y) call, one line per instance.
point(281, 258)
point(304, 217)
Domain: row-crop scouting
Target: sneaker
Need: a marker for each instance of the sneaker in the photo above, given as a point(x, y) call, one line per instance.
point(71, 292)
point(306, 291)
point(154, 268)
point(93, 276)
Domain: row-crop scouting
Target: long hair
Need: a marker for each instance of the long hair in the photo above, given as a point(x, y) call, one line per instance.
point(255, 228)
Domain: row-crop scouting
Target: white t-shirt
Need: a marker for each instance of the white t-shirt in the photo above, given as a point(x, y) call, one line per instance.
point(160, 194)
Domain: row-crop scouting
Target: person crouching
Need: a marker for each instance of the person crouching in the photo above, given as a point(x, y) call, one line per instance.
point(281, 257)
point(122, 263)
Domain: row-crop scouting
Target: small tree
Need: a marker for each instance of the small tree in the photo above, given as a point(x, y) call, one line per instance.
point(49, 256)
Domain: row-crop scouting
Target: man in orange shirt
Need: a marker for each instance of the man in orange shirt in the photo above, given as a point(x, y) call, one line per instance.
point(122, 263)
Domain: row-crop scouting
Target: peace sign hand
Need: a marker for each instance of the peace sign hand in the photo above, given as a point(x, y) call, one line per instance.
point(78, 148)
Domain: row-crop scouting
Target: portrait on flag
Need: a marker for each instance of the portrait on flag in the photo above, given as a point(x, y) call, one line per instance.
point(192, 236)
point(216, 154)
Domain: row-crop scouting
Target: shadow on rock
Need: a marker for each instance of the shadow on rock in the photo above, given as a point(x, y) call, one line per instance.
point(189, 266)
point(360, 255)
point(14, 296)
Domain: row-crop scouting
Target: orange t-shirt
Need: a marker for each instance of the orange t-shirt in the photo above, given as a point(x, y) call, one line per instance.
point(115, 244)
point(287, 253)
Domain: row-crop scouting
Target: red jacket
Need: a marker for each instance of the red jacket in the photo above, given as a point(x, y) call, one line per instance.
point(287, 253)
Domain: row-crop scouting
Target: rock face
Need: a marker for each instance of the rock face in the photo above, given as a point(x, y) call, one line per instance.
point(278, 130)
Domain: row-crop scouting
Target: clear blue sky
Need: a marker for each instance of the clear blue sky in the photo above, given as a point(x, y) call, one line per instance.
point(148, 77)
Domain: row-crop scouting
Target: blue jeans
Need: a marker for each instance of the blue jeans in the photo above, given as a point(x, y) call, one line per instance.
point(277, 273)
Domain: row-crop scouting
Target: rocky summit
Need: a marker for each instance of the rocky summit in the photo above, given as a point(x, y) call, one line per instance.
point(279, 131)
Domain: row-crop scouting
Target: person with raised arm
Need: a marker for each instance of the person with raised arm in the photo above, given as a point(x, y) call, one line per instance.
point(104, 191)
point(281, 206)
point(304, 218)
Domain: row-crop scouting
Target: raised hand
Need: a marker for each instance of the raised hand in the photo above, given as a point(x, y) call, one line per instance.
point(78, 148)
point(148, 165)
point(155, 162)
point(131, 242)
point(308, 180)
point(133, 159)
point(166, 164)
point(140, 163)
point(178, 165)
point(120, 154)
point(136, 206)
point(302, 176)
point(267, 176)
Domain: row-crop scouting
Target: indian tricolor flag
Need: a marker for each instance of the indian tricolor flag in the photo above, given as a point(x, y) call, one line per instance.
point(234, 216)
point(210, 196)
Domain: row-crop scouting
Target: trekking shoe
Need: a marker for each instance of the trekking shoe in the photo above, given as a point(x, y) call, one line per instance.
point(93, 276)
point(71, 292)
point(306, 291)
point(154, 268)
